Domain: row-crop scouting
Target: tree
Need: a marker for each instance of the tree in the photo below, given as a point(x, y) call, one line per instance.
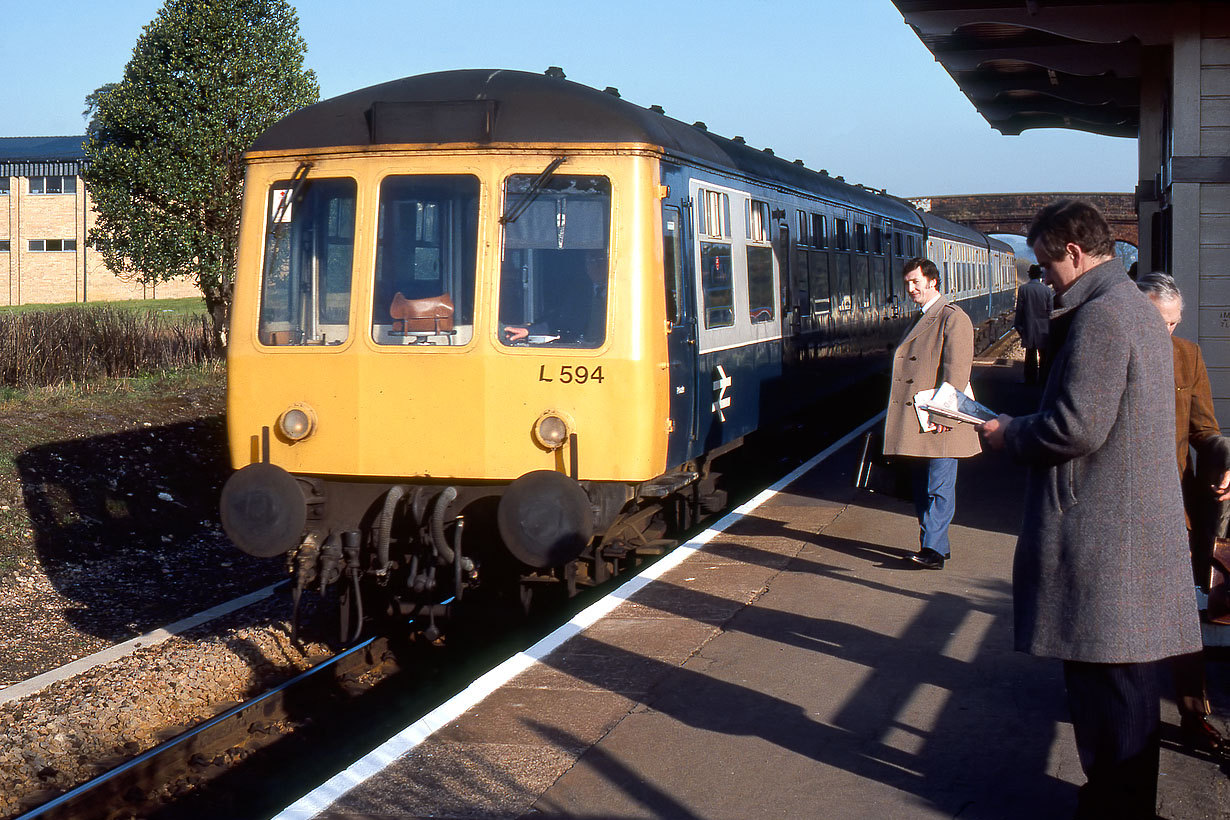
point(166, 143)
point(92, 101)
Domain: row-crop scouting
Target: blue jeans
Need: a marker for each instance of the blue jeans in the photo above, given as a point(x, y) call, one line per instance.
point(935, 500)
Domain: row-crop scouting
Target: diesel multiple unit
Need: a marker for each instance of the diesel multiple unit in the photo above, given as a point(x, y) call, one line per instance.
point(491, 328)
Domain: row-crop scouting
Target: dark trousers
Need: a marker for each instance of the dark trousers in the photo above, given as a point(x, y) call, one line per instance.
point(1116, 711)
point(1033, 364)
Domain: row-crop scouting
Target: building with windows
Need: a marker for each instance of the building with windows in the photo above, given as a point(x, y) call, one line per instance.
point(45, 215)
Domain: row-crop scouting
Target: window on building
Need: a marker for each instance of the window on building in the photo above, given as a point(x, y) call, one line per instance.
point(4, 246)
point(52, 245)
point(4, 186)
point(53, 185)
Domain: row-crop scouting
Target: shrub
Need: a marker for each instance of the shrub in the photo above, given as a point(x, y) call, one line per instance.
point(48, 347)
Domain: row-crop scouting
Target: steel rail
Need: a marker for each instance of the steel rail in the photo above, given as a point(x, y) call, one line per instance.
point(111, 793)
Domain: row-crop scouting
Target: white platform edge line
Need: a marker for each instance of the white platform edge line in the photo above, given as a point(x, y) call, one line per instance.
point(404, 741)
point(120, 650)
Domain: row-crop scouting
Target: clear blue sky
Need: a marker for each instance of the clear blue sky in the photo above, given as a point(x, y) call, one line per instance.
point(842, 85)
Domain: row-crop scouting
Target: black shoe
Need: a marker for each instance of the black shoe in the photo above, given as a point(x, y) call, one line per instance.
point(928, 558)
point(1198, 733)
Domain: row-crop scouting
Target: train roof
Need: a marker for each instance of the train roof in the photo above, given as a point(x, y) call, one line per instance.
point(1000, 245)
point(939, 226)
point(500, 106)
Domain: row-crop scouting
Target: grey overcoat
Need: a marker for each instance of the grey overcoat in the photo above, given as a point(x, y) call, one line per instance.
point(938, 348)
point(1101, 572)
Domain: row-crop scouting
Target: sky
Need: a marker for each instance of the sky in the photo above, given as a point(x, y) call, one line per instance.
point(845, 86)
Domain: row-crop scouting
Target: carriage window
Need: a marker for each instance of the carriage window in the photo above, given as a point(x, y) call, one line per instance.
point(556, 266)
point(818, 272)
point(426, 246)
point(879, 286)
point(802, 292)
point(757, 220)
point(715, 279)
point(860, 237)
point(862, 282)
point(843, 282)
point(760, 283)
point(713, 214)
point(819, 230)
point(309, 254)
point(672, 259)
point(843, 235)
point(804, 228)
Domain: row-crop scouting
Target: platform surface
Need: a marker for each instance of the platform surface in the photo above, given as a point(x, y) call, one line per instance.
point(798, 666)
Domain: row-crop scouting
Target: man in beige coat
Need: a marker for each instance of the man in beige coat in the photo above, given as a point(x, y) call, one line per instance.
point(938, 348)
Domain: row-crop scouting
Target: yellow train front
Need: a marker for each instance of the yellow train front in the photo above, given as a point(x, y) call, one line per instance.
point(422, 355)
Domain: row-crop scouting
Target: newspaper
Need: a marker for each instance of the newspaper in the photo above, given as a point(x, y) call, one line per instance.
point(950, 404)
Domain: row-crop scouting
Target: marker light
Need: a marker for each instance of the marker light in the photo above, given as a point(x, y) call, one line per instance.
point(297, 423)
point(551, 431)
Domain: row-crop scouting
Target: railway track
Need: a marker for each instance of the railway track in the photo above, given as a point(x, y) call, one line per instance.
point(142, 786)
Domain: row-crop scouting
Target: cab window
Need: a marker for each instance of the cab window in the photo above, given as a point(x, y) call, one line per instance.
point(307, 267)
point(556, 261)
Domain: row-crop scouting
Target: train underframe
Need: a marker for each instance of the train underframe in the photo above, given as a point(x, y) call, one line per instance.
point(409, 554)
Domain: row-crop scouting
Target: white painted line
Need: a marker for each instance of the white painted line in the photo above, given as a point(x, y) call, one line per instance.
point(379, 758)
point(120, 650)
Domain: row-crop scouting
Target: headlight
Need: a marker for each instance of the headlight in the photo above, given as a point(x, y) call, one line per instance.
point(551, 431)
point(297, 423)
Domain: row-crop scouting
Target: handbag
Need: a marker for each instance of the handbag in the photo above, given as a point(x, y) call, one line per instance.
point(1219, 583)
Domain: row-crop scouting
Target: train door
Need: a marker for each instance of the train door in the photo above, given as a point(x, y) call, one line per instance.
point(681, 341)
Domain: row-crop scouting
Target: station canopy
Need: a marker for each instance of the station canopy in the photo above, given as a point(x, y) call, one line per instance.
point(1045, 63)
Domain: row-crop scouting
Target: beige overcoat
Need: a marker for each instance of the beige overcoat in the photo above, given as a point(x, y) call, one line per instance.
point(938, 348)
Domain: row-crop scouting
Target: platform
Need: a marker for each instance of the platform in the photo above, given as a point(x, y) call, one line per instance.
point(797, 665)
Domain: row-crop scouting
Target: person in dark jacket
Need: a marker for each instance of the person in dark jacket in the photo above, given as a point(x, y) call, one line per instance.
point(1034, 302)
point(1100, 576)
point(1204, 498)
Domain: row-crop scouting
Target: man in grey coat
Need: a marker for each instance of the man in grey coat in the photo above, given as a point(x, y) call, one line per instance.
point(1100, 577)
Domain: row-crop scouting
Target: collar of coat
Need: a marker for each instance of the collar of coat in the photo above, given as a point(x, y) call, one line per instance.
point(926, 319)
point(1091, 285)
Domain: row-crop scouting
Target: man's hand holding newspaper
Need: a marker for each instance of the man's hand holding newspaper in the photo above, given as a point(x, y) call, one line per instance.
point(950, 404)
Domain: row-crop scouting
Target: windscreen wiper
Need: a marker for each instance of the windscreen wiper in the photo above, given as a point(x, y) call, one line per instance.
point(530, 195)
point(296, 185)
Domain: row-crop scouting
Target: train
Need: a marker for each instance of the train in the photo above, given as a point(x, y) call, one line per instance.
point(490, 330)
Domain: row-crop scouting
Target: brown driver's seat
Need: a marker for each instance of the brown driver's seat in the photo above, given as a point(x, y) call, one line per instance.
point(433, 314)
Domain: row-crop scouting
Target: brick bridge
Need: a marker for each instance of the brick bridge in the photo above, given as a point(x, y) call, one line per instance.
point(1012, 213)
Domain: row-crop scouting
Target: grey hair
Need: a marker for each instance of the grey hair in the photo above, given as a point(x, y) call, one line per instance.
point(1159, 286)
